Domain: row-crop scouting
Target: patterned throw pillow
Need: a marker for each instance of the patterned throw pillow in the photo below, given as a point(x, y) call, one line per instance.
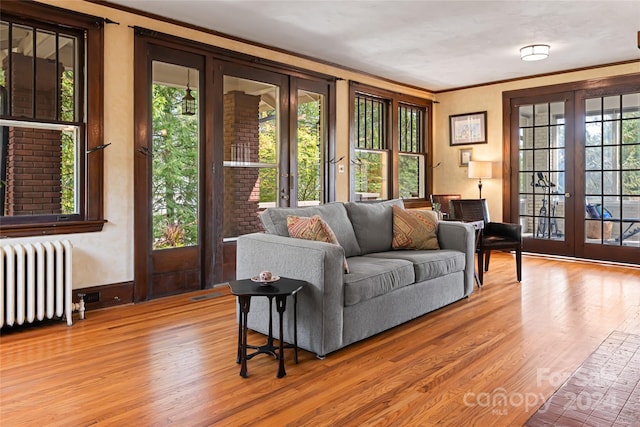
point(414, 229)
point(313, 228)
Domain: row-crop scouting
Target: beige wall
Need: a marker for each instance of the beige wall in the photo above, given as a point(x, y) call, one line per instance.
point(449, 177)
point(107, 257)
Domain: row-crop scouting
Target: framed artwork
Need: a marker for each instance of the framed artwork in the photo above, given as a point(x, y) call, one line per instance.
point(468, 128)
point(464, 157)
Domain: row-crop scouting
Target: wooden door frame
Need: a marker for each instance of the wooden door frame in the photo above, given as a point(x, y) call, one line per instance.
point(146, 51)
point(577, 90)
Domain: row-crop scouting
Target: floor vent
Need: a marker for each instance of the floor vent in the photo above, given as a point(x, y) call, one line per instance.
point(207, 296)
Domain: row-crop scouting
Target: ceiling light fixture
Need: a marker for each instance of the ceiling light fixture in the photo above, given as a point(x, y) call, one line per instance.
point(534, 52)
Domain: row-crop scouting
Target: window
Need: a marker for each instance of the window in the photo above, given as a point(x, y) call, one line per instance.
point(372, 153)
point(390, 141)
point(49, 183)
point(411, 154)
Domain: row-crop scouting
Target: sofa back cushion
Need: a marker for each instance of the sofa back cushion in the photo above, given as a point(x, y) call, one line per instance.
point(334, 214)
point(373, 224)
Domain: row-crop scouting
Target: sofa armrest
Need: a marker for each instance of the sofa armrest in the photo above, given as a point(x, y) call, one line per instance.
point(461, 237)
point(320, 264)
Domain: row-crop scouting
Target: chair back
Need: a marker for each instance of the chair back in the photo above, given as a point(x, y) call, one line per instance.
point(470, 210)
point(444, 200)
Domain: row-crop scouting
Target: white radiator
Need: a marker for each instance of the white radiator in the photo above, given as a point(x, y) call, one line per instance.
point(36, 282)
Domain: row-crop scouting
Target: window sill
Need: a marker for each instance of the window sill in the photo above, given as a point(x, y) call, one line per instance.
point(49, 228)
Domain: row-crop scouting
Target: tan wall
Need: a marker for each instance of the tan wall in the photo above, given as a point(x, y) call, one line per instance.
point(449, 177)
point(107, 257)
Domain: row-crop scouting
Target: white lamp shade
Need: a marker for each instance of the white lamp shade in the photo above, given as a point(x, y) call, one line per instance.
point(479, 169)
point(535, 52)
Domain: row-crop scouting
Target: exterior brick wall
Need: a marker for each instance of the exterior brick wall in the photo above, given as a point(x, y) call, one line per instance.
point(34, 156)
point(242, 184)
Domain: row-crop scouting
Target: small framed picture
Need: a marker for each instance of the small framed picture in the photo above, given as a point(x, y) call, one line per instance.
point(464, 157)
point(468, 128)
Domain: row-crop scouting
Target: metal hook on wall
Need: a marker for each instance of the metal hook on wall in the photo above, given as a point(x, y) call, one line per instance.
point(98, 147)
point(334, 161)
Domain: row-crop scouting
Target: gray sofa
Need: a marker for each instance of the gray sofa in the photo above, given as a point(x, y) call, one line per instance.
point(384, 287)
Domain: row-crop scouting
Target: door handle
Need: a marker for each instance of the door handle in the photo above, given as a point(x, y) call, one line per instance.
point(567, 195)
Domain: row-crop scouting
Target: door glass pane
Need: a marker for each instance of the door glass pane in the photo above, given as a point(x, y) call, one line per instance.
point(612, 189)
point(542, 168)
point(631, 105)
point(251, 153)
point(175, 157)
point(310, 139)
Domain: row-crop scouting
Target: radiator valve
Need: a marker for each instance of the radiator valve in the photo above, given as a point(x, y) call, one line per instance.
point(79, 306)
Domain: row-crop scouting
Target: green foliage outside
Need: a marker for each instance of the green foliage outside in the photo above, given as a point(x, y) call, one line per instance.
point(369, 173)
point(175, 169)
point(68, 141)
point(409, 176)
point(309, 153)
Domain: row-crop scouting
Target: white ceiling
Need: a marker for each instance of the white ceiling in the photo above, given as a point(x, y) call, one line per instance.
point(437, 45)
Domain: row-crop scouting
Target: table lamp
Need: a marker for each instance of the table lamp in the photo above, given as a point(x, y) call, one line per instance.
point(479, 170)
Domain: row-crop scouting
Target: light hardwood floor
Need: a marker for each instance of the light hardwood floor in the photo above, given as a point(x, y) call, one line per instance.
point(491, 359)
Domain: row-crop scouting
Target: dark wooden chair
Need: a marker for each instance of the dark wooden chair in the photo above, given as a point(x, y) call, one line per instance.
point(498, 236)
point(444, 199)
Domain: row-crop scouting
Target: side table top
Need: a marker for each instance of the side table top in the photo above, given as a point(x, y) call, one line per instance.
point(284, 286)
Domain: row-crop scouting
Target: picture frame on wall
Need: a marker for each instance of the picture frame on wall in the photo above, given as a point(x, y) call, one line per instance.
point(464, 157)
point(470, 128)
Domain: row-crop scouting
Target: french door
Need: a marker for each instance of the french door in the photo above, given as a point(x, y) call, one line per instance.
point(216, 143)
point(275, 145)
point(575, 172)
point(171, 176)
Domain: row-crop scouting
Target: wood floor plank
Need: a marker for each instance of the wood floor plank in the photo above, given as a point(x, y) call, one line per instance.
point(491, 359)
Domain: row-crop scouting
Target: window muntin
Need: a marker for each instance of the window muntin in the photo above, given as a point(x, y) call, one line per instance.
point(42, 87)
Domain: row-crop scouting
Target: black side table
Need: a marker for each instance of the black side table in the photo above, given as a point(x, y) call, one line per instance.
point(281, 289)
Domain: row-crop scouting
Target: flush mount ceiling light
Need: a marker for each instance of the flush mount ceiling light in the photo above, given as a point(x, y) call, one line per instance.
point(534, 52)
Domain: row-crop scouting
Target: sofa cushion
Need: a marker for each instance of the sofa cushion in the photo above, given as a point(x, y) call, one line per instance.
point(372, 277)
point(335, 214)
point(313, 228)
point(373, 224)
point(414, 229)
point(428, 264)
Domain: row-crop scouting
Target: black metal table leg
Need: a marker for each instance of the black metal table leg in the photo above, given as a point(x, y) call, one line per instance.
point(245, 302)
point(281, 304)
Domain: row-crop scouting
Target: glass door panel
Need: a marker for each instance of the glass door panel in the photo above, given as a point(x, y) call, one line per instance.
point(175, 186)
point(542, 170)
point(251, 153)
point(311, 128)
point(612, 170)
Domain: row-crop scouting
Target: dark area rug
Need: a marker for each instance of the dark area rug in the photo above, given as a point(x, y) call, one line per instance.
point(603, 391)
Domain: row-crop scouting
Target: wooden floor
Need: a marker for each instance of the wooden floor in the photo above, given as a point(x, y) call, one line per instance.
point(491, 359)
